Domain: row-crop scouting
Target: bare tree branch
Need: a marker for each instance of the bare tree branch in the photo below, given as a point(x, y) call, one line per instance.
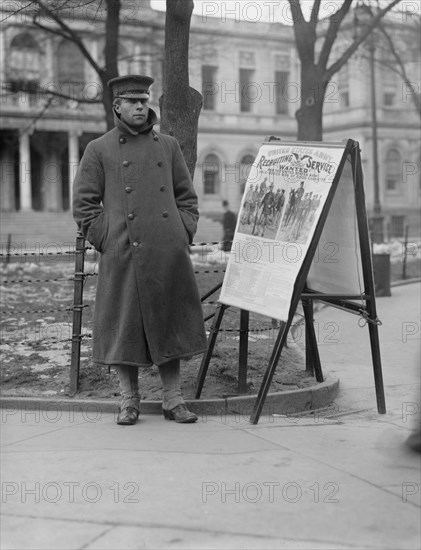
point(38, 116)
point(315, 76)
point(305, 32)
point(315, 12)
point(347, 54)
point(335, 21)
point(17, 11)
point(69, 34)
point(401, 70)
point(47, 93)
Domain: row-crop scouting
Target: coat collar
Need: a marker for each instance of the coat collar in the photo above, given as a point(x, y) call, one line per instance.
point(125, 128)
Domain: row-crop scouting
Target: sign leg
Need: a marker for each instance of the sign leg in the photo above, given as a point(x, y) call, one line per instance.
point(211, 344)
point(243, 351)
point(270, 371)
point(377, 367)
point(312, 351)
point(367, 268)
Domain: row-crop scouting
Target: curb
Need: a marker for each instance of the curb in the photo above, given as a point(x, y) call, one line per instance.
point(284, 403)
point(402, 282)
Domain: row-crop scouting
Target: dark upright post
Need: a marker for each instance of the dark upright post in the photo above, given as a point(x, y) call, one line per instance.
point(77, 313)
point(211, 344)
point(243, 351)
point(313, 365)
point(367, 268)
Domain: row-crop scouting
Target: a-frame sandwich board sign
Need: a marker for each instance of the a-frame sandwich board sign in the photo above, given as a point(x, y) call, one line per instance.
point(273, 264)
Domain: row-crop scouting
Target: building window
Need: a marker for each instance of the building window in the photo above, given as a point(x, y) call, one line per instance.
point(344, 99)
point(23, 69)
point(389, 84)
point(245, 165)
point(393, 171)
point(282, 72)
point(124, 60)
point(343, 86)
point(246, 79)
point(247, 62)
point(397, 226)
point(158, 88)
point(389, 99)
point(209, 87)
point(71, 74)
point(419, 175)
point(211, 175)
point(281, 82)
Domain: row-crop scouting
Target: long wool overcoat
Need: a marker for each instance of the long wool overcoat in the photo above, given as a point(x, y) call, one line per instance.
point(134, 201)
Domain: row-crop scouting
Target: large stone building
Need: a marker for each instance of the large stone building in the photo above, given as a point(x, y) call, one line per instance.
point(248, 73)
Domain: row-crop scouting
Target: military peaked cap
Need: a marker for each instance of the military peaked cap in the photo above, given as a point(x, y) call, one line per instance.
point(131, 86)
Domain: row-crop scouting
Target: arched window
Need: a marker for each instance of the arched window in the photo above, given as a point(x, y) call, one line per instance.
point(393, 171)
point(245, 165)
point(71, 74)
point(211, 174)
point(23, 70)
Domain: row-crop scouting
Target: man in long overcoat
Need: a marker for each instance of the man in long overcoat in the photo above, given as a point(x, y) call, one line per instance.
point(229, 222)
point(134, 201)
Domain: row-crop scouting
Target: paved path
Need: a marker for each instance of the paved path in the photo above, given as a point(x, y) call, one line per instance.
point(340, 479)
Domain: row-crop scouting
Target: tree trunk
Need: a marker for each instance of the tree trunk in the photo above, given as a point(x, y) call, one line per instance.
point(111, 54)
point(107, 101)
point(180, 105)
point(310, 114)
point(315, 73)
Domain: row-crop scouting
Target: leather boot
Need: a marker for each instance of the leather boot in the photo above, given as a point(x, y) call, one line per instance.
point(180, 414)
point(128, 416)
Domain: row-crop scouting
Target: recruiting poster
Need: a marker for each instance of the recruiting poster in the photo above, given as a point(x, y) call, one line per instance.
point(286, 190)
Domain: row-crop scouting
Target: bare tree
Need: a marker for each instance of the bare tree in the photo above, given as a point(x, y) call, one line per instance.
point(316, 72)
point(112, 24)
point(180, 104)
point(399, 52)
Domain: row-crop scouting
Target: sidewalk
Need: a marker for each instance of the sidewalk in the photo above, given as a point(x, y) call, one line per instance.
point(338, 479)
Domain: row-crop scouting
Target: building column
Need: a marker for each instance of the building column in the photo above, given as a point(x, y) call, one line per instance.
point(73, 159)
point(52, 182)
point(137, 65)
point(2, 56)
point(7, 180)
point(50, 48)
point(25, 184)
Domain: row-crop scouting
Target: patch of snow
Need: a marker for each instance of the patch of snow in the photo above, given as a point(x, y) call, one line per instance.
point(41, 368)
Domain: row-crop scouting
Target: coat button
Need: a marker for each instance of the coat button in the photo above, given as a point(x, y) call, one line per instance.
point(155, 138)
point(128, 189)
point(122, 140)
point(131, 216)
point(125, 162)
point(165, 214)
point(162, 188)
point(160, 163)
point(135, 244)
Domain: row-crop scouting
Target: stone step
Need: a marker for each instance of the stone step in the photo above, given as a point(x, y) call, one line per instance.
point(36, 229)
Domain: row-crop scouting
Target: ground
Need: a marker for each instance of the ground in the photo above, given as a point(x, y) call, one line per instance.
point(36, 342)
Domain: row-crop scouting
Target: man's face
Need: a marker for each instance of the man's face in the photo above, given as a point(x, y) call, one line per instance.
point(133, 112)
